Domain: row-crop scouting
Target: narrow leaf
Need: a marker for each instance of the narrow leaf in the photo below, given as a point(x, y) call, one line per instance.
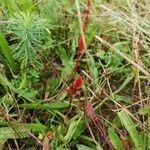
point(83, 147)
point(131, 128)
point(115, 140)
point(51, 106)
point(71, 128)
point(34, 127)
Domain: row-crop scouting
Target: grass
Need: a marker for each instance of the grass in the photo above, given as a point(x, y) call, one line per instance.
point(74, 74)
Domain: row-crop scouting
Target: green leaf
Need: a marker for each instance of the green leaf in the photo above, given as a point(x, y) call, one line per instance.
point(93, 68)
point(51, 106)
point(7, 52)
point(123, 46)
point(66, 61)
point(146, 140)
point(28, 94)
point(116, 122)
point(34, 73)
point(8, 99)
point(83, 147)
point(53, 82)
point(34, 127)
point(115, 140)
point(71, 129)
point(121, 98)
point(80, 128)
point(131, 128)
point(62, 95)
point(89, 141)
point(92, 29)
point(101, 54)
point(76, 127)
point(114, 60)
point(64, 57)
point(23, 82)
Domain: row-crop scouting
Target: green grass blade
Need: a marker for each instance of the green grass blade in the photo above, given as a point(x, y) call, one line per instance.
point(115, 140)
point(125, 83)
point(34, 127)
point(5, 50)
point(131, 128)
point(50, 106)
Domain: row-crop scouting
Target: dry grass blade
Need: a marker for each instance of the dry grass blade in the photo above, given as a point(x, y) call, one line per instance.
point(124, 56)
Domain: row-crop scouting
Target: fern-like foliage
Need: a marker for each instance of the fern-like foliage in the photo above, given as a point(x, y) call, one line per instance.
point(28, 32)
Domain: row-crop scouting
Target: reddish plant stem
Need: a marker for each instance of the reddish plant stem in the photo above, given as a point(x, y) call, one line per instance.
point(80, 39)
point(80, 46)
point(98, 123)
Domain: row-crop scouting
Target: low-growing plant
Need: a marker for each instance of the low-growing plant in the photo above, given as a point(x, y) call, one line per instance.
point(28, 37)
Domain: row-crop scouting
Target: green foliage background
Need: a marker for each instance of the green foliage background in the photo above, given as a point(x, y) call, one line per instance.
point(38, 48)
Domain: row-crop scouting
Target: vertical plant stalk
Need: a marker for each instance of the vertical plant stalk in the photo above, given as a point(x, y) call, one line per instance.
point(136, 50)
point(81, 44)
point(83, 26)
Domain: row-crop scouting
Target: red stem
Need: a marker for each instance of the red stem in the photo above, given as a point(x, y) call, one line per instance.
point(80, 39)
